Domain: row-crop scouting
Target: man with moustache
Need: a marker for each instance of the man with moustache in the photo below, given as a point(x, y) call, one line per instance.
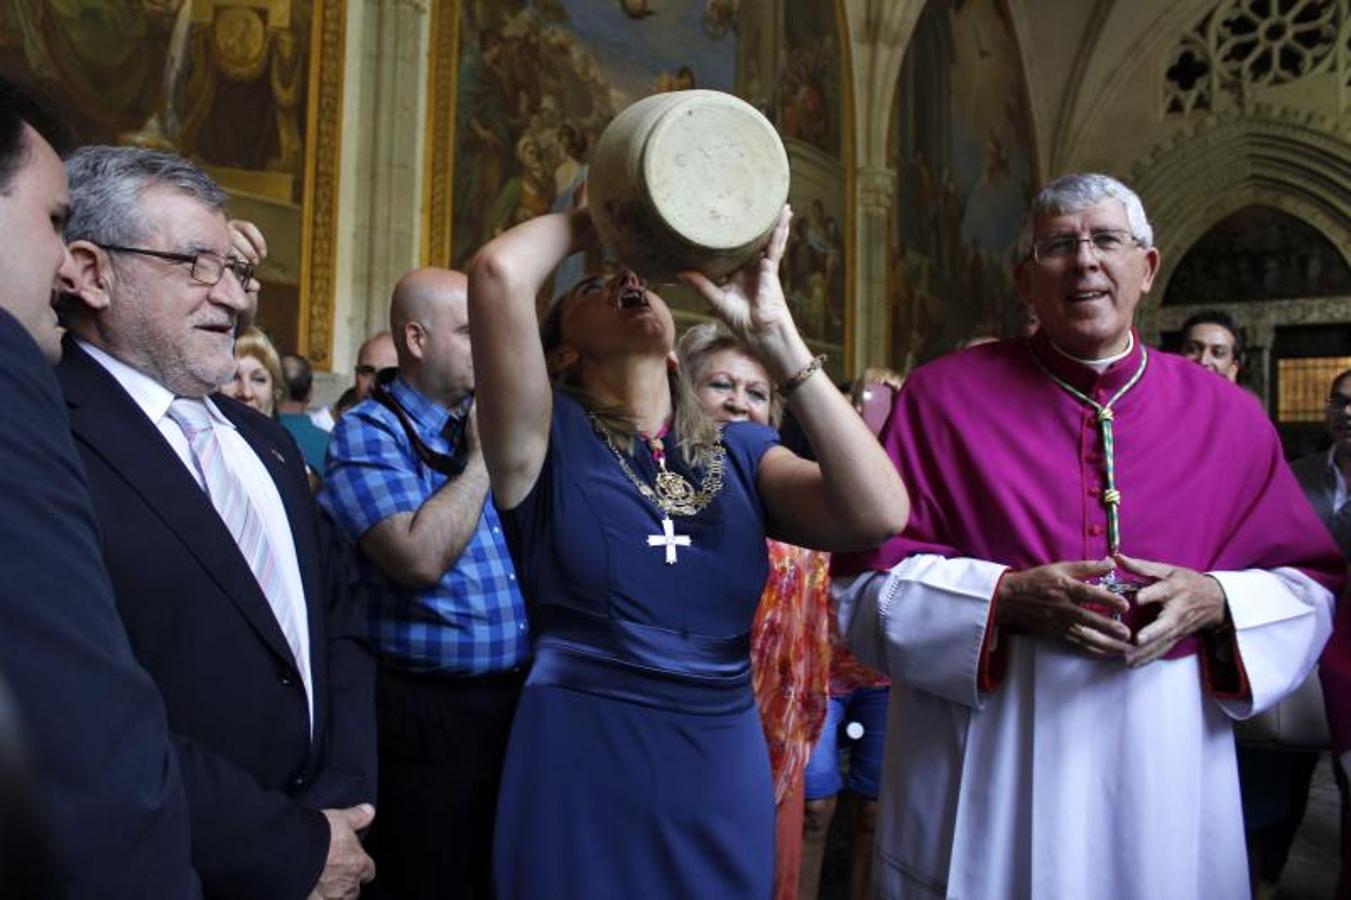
point(225, 580)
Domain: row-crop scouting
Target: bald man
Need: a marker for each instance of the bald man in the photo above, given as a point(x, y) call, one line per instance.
point(406, 484)
point(374, 356)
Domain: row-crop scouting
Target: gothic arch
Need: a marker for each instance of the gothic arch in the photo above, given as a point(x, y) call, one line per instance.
point(1273, 159)
point(1032, 83)
point(878, 32)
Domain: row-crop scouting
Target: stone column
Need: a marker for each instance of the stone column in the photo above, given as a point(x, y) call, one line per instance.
point(1261, 338)
point(380, 207)
point(871, 333)
point(878, 33)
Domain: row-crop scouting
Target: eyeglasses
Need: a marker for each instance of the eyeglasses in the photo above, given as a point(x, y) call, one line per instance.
point(1338, 402)
point(1107, 242)
point(207, 268)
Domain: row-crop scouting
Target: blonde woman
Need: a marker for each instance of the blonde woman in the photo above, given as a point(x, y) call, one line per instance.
point(258, 380)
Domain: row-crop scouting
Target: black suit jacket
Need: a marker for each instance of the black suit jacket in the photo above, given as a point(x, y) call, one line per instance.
point(94, 723)
point(202, 627)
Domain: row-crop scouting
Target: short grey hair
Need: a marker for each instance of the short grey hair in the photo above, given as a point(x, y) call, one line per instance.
point(106, 185)
point(1078, 191)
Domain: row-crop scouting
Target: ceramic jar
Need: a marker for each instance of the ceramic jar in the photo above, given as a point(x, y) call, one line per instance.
point(687, 180)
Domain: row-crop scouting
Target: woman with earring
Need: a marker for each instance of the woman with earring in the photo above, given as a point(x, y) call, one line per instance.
point(637, 766)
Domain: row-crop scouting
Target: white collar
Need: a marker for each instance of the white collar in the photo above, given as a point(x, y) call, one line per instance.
point(1100, 365)
point(152, 397)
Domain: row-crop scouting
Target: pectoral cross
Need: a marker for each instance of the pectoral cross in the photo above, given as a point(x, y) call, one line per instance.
point(668, 539)
point(1116, 586)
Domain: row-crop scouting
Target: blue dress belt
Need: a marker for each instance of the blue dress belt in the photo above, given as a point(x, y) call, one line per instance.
point(644, 664)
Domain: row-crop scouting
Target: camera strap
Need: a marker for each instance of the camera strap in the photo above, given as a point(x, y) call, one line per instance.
point(447, 465)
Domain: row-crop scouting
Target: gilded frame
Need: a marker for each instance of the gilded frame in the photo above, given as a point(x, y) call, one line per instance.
point(323, 153)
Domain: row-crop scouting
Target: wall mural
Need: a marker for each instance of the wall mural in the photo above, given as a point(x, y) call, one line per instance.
point(962, 150)
point(1258, 253)
point(224, 82)
point(538, 80)
point(809, 82)
point(808, 114)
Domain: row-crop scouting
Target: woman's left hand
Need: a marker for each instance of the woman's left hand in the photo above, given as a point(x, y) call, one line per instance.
point(752, 304)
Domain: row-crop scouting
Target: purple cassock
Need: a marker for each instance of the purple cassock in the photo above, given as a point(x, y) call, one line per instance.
point(1074, 776)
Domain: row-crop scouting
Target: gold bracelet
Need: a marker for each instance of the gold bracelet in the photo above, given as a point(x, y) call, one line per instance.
point(802, 375)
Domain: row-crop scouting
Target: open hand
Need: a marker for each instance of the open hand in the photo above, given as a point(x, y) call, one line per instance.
point(751, 304)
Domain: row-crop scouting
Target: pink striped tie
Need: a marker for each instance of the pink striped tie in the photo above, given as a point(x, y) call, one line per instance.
point(232, 502)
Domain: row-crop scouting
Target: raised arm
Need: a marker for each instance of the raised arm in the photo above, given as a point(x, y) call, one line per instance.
point(853, 498)
point(514, 396)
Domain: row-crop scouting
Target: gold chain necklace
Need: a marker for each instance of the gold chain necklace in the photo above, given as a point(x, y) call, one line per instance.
point(673, 494)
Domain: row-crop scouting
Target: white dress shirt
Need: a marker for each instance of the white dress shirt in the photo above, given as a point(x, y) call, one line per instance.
point(154, 399)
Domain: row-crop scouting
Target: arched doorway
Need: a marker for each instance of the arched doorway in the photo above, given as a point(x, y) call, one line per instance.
point(1288, 285)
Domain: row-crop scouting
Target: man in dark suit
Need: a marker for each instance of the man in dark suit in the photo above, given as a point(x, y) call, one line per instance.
point(224, 573)
point(105, 776)
point(1324, 475)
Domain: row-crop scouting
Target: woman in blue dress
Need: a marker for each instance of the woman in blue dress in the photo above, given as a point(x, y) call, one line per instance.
point(637, 767)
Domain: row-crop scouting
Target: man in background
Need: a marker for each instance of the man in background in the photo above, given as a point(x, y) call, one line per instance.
point(373, 357)
point(1324, 475)
point(1213, 341)
point(313, 440)
point(407, 484)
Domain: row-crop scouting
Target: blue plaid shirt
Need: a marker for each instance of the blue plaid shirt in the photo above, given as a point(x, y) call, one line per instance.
point(473, 620)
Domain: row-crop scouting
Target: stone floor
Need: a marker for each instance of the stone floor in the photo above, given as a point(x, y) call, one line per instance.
point(1310, 873)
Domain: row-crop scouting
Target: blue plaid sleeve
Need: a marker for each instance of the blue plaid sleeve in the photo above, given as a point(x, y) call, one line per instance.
point(370, 472)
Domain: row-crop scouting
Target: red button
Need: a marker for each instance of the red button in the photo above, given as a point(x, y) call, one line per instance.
point(1094, 530)
point(1091, 458)
point(1095, 492)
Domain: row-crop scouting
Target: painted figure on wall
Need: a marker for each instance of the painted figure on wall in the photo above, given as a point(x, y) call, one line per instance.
point(809, 82)
point(103, 62)
point(221, 81)
point(539, 81)
point(962, 149)
point(244, 64)
point(807, 110)
point(813, 272)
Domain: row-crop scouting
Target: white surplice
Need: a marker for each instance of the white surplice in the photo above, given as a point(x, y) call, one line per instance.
point(1078, 777)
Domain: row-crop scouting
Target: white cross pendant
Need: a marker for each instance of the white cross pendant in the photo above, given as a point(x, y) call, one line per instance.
point(668, 539)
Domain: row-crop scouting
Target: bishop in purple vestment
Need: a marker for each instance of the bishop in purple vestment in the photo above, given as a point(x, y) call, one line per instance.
point(1048, 737)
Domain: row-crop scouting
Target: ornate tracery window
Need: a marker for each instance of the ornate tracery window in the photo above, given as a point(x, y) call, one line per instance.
point(1241, 44)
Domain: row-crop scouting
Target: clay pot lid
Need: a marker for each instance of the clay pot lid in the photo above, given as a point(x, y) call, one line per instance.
point(715, 171)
